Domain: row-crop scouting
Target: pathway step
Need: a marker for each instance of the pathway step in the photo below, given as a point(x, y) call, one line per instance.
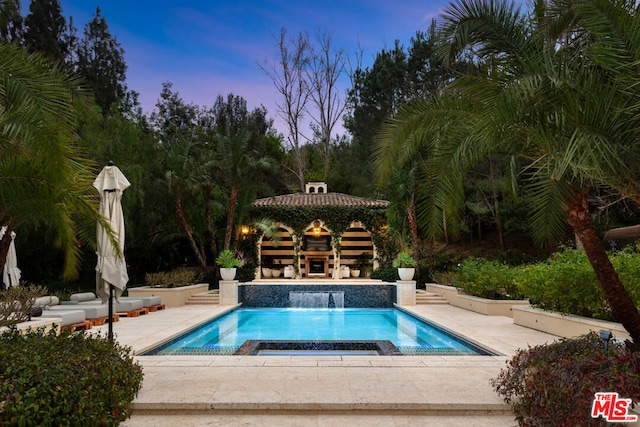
point(204, 298)
point(423, 297)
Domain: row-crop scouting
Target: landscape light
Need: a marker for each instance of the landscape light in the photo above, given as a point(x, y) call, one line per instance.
point(606, 337)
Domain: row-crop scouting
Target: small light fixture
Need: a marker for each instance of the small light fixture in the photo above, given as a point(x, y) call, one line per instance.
point(316, 228)
point(606, 337)
point(245, 230)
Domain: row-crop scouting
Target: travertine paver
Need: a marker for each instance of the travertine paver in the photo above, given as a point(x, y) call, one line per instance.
point(322, 390)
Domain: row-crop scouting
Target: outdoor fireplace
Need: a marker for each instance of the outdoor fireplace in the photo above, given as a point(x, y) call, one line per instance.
point(317, 266)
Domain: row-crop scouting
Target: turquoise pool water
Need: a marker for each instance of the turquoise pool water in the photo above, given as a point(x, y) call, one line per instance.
point(225, 335)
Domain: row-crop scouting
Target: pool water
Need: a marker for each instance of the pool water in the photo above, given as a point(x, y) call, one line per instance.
point(225, 335)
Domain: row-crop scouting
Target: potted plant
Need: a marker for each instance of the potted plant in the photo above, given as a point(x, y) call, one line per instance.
point(228, 264)
point(364, 263)
point(276, 270)
point(405, 264)
point(266, 265)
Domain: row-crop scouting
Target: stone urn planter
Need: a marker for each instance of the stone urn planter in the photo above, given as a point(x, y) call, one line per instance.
point(266, 272)
point(355, 273)
point(228, 273)
point(276, 272)
point(406, 273)
point(405, 265)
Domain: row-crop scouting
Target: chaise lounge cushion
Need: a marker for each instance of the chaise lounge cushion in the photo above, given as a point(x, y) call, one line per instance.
point(83, 296)
point(90, 311)
point(69, 317)
point(146, 301)
point(125, 305)
point(118, 307)
point(48, 300)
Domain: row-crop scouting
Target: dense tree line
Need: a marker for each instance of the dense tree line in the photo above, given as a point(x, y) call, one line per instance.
point(196, 169)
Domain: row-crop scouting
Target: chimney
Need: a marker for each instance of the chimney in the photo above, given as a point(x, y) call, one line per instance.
point(315, 187)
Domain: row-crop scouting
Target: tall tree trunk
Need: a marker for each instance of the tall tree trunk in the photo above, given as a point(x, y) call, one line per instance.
point(200, 256)
point(621, 303)
point(413, 231)
point(496, 212)
point(231, 211)
point(209, 221)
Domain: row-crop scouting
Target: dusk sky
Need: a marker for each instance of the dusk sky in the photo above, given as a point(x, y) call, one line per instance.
point(214, 47)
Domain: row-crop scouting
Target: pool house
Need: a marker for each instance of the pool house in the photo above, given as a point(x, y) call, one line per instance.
point(322, 235)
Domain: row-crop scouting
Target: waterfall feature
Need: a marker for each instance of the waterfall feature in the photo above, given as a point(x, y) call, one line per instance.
point(315, 299)
point(338, 299)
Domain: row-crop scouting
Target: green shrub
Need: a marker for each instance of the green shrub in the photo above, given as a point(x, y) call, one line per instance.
point(174, 278)
point(16, 303)
point(565, 283)
point(386, 274)
point(488, 279)
point(66, 380)
point(554, 385)
point(627, 264)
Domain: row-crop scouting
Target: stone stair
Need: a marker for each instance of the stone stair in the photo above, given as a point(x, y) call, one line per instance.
point(205, 298)
point(424, 297)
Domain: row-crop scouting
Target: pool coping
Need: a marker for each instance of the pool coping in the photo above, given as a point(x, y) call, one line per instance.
point(252, 347)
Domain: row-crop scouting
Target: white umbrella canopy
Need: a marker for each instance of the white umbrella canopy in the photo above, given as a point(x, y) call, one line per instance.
point(11, 273)
point(111, 268)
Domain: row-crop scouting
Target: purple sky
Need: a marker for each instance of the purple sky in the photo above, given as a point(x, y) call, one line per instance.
point(206, 48)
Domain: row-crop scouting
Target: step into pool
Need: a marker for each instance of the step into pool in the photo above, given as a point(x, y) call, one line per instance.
point(312, 331)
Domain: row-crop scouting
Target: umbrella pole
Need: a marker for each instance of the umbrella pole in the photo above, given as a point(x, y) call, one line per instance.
point(110, 313)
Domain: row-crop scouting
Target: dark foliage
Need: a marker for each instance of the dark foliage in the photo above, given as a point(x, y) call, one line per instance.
point(554, 385)
point(65, 380)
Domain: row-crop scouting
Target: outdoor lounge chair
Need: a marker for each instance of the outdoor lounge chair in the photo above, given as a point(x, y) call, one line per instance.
point(129, 308)
point(69, 319)
point(97, 315)
point(289, 272)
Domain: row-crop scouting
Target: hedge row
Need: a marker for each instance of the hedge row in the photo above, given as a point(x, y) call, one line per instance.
point(565, 282)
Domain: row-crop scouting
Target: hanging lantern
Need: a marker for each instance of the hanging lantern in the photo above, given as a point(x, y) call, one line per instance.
point(316, 228)
point(244, 230)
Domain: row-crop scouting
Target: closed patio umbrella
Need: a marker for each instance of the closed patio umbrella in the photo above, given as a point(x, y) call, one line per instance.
point(111, 268)
point(11, 273)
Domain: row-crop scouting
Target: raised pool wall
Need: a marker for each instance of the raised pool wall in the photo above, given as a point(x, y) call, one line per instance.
point(355, 296)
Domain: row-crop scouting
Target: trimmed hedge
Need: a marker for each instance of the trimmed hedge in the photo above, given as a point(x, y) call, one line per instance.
point(65, 380)
point(488, 279)
point(554, 385)
point(565, 283)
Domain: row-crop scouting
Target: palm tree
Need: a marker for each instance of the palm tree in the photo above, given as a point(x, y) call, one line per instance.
point(239, 170)
point(544, 91)
point(44, 178)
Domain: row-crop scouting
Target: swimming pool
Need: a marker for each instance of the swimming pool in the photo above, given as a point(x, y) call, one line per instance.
point(309, 330)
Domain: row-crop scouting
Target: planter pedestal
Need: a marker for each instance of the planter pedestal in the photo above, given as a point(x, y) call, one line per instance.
point(228, 292)
point(406, 292)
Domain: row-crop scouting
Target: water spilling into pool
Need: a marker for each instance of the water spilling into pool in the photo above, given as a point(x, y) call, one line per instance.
point(343, 330)
point(316, 299)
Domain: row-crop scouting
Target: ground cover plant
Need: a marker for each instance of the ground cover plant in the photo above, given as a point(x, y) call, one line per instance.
point(555, 384)
point(65, 380)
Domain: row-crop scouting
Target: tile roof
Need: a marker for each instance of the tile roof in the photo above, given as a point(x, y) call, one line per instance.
point(321, 199)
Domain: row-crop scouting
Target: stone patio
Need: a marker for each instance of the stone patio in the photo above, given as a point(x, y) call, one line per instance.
point(322, 390)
